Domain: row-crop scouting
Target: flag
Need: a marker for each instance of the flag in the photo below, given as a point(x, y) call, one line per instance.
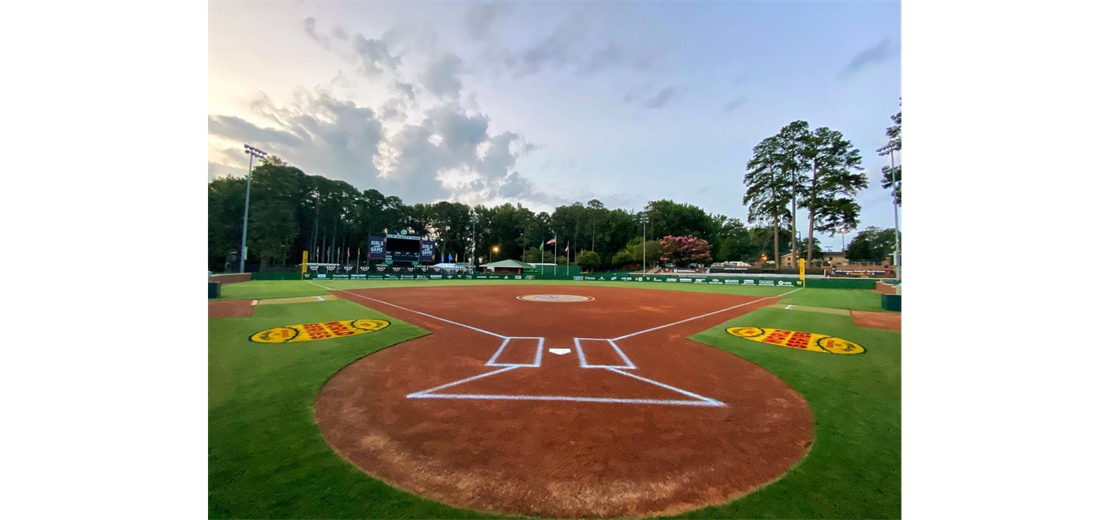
point(549, 242)
point(450, 257)
point(567, 248)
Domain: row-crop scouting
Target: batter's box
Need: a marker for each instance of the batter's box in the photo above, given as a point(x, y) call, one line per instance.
point(518, 352)
point(601, 353)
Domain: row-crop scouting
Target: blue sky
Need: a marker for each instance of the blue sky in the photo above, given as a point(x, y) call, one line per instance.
point(548, 103)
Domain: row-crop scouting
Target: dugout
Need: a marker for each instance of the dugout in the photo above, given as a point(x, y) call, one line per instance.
point(508, 267)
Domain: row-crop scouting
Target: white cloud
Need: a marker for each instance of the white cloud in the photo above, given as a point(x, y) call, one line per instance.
point(442, 76)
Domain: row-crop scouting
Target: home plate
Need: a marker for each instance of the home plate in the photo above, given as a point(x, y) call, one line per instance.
point(559, 351)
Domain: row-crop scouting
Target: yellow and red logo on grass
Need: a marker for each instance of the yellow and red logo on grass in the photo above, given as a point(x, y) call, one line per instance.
point(318, 331)
point(798, 340)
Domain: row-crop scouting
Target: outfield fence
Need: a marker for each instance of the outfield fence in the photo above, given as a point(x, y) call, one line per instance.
point(431, 273)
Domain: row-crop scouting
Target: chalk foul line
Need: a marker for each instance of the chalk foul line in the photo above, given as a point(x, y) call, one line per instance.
point(434, 392)
point(383, 302)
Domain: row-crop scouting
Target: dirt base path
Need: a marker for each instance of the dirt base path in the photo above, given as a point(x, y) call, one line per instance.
point(878, 320)
point(230, 308)
point(654, 424)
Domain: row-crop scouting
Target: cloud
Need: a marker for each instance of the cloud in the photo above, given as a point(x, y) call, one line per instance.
point(555, 50)
point(339, 33)
point(374, 57)
point(442, 76)
point(405, 88)
point(637, 93)
point(239, 129)
point(450, 153)
point(736, 103)
point(877, 53)
point(480, 18)
point(394, 109)
point(310, 30)
point(317, 133)
point(663, 97)
point(616, 56)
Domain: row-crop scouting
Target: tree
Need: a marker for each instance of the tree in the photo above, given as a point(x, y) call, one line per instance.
point(830, 197)
point(622, 258)
point(793, 140)
point(682, 251)
point(272, 226)
point(768, 186)
point(891, 173)
point(735, 242)
point(871, 245)
point(588, 260)
point(859, 250)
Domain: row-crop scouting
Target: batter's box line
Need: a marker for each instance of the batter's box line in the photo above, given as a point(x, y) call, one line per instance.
point(586, 364)
point(539, 353)
point(695, 399)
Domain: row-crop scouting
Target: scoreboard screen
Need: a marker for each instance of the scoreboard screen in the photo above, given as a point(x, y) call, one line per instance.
point(401, 249)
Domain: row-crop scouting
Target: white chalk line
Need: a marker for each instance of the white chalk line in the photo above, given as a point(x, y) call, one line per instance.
point(626, 336)
point(423, 393)
point(699, 400)
point(412, 311)
point(539, 354)
point(586, 364)
point(616, 400)
point(708, 401)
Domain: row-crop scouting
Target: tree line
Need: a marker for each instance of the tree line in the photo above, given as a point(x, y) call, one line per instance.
point(290, 211)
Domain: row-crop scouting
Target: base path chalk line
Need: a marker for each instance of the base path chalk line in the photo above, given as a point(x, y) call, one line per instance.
point(626, 336)
point(412, 311)
point(433, 393)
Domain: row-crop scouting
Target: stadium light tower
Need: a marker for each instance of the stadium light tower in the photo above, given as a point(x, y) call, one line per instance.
point(253, 152)
point(890, 149)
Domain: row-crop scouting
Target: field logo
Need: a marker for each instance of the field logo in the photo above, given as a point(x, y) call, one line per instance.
point(799, 340)
point(316, 331)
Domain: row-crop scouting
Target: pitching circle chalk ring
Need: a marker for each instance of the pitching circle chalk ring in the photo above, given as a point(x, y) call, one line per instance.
point(555, 298)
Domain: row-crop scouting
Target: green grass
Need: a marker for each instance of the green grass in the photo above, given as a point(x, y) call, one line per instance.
point(853, 299)
point(262, 289)
point(854, 467)
point(267, 458)
point(266, 289)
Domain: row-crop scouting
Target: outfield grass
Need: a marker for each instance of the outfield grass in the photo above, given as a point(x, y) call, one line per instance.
point(267, 458)
point(854, 299)
point(262, 289)
point(854, 467)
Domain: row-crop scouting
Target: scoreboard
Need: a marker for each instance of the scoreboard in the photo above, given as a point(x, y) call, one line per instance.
point(401, 249)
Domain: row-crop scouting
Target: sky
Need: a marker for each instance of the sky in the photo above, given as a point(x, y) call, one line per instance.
point(549, 103)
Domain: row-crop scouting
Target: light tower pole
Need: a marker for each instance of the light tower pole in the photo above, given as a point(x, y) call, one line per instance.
point(643, 244)
point(252, 152)
point(890, 149)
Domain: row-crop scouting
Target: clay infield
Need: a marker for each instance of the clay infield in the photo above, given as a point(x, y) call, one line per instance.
point(634, 420)
point(230, 308)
